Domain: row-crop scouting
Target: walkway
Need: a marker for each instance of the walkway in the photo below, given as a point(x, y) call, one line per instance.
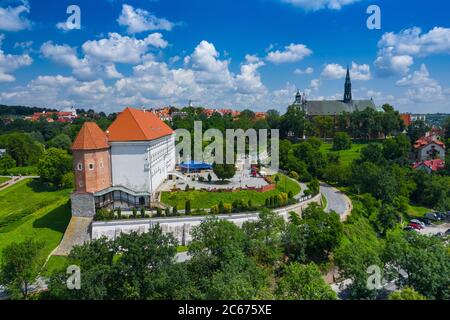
point(77, 233)
point(15, 180)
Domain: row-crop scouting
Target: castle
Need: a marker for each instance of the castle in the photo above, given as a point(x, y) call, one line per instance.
point(124, 166)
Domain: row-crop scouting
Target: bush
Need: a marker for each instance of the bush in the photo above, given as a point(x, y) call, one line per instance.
point(294, 175)
point(134, 213)
point(102, 215)
point(167, 212)
point(187, 207)
point(119, 213)
point(158, 212)
point(175, 211)
point(143, 212)
point(227, 208)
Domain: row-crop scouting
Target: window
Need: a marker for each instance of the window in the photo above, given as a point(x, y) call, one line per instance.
point(100, 164)
point(80, 166)
point(91, 166)
point(81, 184)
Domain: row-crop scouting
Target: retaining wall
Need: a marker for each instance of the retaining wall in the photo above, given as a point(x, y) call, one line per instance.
point(180, 227)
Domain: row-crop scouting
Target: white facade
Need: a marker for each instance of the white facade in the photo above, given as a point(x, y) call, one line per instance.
point(142, 166)
point(429, 150)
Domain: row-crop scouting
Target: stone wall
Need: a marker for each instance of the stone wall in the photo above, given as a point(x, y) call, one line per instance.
point(83, 205)
point(180, 227)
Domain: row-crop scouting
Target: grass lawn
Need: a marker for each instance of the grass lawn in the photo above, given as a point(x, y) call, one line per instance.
point(4, 179)
point(347, 156)
point(418, 212)
point(28, 209)
point(205, 199)
point(55, 263)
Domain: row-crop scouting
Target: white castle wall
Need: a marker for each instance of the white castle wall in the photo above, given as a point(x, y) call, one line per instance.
point(142, 166)
point(180, 227)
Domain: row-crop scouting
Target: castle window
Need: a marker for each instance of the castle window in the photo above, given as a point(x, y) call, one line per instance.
point(100, 164)
point(80, 166)
point(91, 166)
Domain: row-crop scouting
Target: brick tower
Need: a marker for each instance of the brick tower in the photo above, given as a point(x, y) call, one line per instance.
point(92, 167)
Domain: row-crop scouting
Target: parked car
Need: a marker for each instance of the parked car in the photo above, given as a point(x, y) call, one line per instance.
point(441, 216)
point(425, 221)
point(431, 216)
point(418, 222)
point(416, 226)
point(447, 233)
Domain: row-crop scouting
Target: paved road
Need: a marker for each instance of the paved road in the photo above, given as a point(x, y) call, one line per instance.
point(336, 201)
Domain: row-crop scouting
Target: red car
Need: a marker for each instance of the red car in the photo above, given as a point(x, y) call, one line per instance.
point(416, 226)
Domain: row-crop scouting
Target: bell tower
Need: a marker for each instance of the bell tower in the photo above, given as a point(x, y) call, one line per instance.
point(348, 87)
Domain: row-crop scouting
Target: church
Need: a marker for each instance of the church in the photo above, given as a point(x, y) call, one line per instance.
point(315, 108)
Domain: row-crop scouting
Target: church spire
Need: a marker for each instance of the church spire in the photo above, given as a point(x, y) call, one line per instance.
point(348, 87)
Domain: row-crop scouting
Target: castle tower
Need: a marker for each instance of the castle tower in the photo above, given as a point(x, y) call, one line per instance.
point(348, 87)
point(92, 167)
point(92, 161)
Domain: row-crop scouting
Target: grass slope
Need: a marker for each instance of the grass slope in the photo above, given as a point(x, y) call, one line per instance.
point(205, 199)
point(28, 209)
point(347, 156)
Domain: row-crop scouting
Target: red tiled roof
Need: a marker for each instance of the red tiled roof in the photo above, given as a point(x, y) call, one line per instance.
point(424, 141)
point(434, 165)
point(406, 119)
point(137, 125)
point(90, 137)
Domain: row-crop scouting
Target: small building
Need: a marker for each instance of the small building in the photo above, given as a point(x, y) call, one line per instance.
point(430, 166)
point(429, 148)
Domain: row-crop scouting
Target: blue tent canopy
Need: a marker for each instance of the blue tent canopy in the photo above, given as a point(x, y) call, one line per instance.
point(195, 166)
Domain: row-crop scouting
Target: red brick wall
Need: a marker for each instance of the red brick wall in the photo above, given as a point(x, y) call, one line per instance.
point(91, 181)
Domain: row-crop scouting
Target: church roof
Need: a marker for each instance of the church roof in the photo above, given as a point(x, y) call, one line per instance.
point(90, 137)
point(137, 125)
point(336, 107)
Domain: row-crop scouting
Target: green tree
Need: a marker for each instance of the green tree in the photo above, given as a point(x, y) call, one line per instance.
point(6, 163)
point(54, 164)
point(20, 267)
point(61, 141)
point(324, 232)
point(304, 282)
point(341, 141)
point(224, 171)
point(406, 294)
point(21, 147)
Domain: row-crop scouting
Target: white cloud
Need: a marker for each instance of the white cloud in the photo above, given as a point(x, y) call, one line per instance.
point(139, 20)
point(249, 80)
point(336, 71)
point(12, 18)
point(397, 51)
point(122, 49)
point(422, 88)
point(315, 5)
point(315, 84)
point(291, 53)
point(333, 71)
point(10, 63)
point(308, 70)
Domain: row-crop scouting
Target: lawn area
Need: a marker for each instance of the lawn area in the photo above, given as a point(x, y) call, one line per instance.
point(4, 179)
point(205, 199)
point(28, 209)
point(347, 156)
point(418, 212)
point(55, 263)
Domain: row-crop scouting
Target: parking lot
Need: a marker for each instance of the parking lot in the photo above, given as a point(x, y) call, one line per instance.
point(435, 229)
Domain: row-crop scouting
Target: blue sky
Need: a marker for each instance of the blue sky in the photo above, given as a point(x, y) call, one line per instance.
point(225, 54)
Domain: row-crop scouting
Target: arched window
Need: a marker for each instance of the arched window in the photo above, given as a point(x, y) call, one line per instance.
point(79, 166)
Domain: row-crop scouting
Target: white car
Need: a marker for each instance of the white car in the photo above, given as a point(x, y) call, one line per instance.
point(420, 223)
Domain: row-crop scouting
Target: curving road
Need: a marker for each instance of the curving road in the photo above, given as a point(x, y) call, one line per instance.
point(337, 201)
